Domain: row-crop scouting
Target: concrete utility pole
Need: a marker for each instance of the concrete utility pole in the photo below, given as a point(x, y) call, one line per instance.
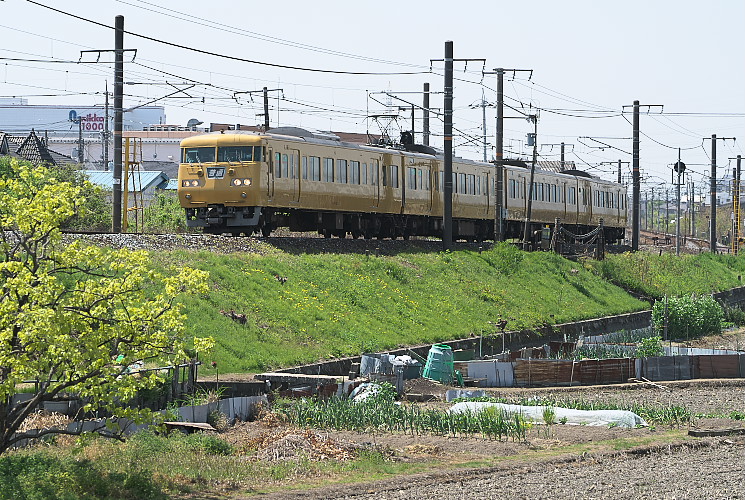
point(425, 112)
point(635, 182)
point(499, 156)
point(679, 170)
point(118, 115)
point(635, 176)
point(713, 191)
point(528, 214)
point(106, 130)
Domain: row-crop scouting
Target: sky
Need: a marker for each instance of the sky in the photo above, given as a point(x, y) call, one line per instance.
point(335, 63)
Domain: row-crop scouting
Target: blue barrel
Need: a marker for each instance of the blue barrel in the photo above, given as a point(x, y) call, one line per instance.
point(439, 364)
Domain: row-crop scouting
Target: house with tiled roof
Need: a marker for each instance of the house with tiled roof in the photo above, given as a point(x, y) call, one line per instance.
point(31, 148)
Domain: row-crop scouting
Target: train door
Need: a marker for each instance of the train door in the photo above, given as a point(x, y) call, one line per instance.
point(270, 162)
point(374, 173)
point(295, 174)
point(482, 190)
point(430, 172)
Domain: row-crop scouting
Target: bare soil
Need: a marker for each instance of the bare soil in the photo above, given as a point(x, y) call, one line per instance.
point(564, 461)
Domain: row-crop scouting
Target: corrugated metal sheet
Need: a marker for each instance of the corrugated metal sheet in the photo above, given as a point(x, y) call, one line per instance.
point(147, 179)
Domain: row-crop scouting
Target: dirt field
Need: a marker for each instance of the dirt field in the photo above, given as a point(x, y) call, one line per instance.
point(563, 462)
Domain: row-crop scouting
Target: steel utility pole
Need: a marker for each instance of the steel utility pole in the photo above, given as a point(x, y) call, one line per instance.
point(447, 214)
point(118, 112)
point(483, 105)
point(736, 218)
point(713, 191)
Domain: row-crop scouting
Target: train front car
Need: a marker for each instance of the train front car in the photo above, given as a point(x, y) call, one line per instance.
point(219, 182)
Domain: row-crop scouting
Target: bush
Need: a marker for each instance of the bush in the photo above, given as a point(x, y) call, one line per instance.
point(688, 317)
point(38, 475)
point(650, 347)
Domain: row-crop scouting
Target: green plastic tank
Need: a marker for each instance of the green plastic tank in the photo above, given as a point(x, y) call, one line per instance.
point(439, 364)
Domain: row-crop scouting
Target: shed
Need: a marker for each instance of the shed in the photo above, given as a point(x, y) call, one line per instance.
point(147, 182)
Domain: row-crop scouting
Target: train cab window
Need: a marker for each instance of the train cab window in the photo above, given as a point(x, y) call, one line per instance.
point(328, 170)
point(198, 155)
point(315, 168)
point(304, 167)
point(363, 173)
point(354, 172)
point(238, 153)
point(411, 179)
point(341, 171)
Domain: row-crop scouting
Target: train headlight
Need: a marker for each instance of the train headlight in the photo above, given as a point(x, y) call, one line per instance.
point(190, 183)
point(241, 182)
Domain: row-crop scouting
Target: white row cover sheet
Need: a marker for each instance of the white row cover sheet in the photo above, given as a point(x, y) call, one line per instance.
point(620, 418)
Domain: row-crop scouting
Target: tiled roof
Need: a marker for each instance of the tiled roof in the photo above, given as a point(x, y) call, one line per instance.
point(34, 150)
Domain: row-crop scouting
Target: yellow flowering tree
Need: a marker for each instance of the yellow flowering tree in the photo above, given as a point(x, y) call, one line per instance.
point(74, 317)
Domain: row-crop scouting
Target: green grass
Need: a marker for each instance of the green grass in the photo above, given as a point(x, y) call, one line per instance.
point(658, 275)
point(335, 305)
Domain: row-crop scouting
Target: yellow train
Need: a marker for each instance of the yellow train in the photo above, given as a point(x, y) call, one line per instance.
point(243, 182)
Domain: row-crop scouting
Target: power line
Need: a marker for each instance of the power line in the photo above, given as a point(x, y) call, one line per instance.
point(224, 56)
point(192, 20)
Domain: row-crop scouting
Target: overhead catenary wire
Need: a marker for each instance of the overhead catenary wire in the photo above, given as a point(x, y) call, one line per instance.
point(225, 56)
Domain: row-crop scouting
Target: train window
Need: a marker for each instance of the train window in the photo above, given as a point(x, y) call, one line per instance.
point(277, 165)
point(294, 166)
point(328, 170)
point(419, 179)
point(394, 176)
point(363, 173)
point(511, 187)
point(285, 164)
point(439, 180)
point(354, 172)
point(411, 181)
point(198, 155)
point(341, 171)
point(304, 167)
point(385, 177)
point(427, 180)
point(478, 185)
point(237, 153)
point(374, 172)
point(572, 195)
point(315, 168)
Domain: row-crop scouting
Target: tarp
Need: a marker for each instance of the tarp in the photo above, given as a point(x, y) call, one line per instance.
point(620, 418)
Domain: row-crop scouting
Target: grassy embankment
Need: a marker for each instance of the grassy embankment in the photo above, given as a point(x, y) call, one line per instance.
point(335, 305)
